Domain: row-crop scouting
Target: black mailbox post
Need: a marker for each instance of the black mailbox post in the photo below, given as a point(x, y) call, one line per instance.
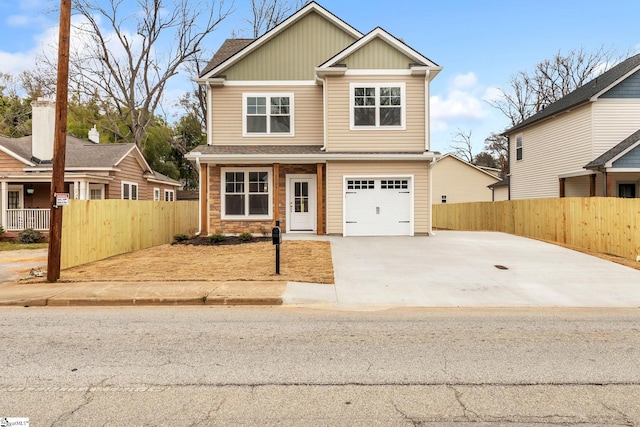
point(276, 239)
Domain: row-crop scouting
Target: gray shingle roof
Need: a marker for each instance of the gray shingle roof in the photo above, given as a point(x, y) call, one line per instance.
point(614, 151)
point(20, 146)
point(229, 48)
point(583, 93)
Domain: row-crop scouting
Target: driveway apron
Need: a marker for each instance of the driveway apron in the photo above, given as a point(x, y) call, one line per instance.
point(469, 269)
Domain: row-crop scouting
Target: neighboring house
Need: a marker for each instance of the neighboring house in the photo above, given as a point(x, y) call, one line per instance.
point(458, 181)
point(92, 171)
point(585, 144)
point(319, 126)
point(500, 190)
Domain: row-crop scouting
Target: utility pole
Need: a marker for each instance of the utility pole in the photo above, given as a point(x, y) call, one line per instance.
point(60, 142)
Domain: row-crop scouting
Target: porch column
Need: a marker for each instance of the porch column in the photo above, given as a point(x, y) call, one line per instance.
point(607, 178)
point(592, 185)
point(83, 190)
point(562, 183)
point(76, 189)
point(276, 193)
point(319, 200)
point(4, 201)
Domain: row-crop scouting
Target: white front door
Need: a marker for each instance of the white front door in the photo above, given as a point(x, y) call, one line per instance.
point(301, 201)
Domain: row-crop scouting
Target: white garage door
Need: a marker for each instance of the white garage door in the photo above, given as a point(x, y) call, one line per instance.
point(378, 207)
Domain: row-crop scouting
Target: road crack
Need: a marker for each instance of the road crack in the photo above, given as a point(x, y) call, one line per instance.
point(466, 411)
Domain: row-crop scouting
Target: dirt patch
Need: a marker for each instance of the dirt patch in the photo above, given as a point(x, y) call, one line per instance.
point(300, 261)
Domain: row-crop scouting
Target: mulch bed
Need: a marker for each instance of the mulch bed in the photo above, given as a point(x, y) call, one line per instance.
point(228, 240)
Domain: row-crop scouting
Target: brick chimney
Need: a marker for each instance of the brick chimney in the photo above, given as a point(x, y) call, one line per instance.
point(43, 116)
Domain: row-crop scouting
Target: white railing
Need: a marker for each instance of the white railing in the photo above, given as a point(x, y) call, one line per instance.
point(21, 219)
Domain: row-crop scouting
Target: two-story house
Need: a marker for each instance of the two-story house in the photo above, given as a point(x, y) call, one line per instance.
point(319, 126)
point(583, 145)
point(92, 171)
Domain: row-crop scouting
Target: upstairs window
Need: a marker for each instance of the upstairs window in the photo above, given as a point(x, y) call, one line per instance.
point(378, 106)
point(519, 147)
point(268, 114)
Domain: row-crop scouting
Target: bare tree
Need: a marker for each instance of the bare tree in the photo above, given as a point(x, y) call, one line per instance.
point(127, 56)
point(529, 92)
point(498, 146)
point(461, 145)
point(266, 14)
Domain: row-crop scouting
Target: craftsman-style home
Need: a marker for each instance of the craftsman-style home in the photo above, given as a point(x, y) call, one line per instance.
point(92, 171)
point(319, 126)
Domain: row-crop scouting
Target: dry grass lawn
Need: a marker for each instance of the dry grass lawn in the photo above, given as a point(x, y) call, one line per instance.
point(300, 261)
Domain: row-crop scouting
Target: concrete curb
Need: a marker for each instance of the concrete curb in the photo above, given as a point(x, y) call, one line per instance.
point(90, 302)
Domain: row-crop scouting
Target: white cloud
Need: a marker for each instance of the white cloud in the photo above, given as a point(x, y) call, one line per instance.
point(462, 101)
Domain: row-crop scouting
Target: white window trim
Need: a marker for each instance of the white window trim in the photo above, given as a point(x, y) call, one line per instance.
point(20, 190)
point(519, 136)
point(96, 187)
point(268, 95)
point(169, 192)
point(246, 217)
point(377, 86)
point(156, 194)
point(129, 184)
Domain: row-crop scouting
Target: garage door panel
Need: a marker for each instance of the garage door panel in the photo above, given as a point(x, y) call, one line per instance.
point(381, 208)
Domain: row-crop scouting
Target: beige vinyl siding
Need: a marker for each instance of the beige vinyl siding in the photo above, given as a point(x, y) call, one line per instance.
point(9, 164)
point(335, 191)
point(340, 138)
point(460, 182)
point(613, 121)
point(580, 186)
point(294, 53)
point(553, 147)
point(377, 55)
point(500, 194)
point(227, 115)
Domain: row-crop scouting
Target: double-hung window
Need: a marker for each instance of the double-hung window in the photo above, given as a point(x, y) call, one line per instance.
point(268, 114)
point(519, 147)
point(169, 196)
point(129, 191)
point(378, 105)
point(246, 193)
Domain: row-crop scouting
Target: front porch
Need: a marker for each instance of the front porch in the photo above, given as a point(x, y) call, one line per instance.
point(22, 219)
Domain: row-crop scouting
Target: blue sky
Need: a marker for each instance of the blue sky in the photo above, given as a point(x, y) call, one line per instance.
point(480, 44)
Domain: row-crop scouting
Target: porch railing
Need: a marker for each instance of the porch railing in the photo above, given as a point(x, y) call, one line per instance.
point(21, 219)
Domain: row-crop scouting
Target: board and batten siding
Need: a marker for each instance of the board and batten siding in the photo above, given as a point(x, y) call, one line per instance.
point(613, 121)
point(294, 53)
point(227, 115)
point(460, 182)
point(336, 170)
point(377, 55)
point(9, 164)
point(555, 146)
point(340, 138)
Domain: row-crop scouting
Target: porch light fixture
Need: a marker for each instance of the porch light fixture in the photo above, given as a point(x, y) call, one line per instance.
point(30, 190)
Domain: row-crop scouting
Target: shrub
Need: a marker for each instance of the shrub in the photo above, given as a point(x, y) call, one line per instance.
point(180, 237)
point(1, 230)
point(246, 237)
point(217, 237)
point(29, 236)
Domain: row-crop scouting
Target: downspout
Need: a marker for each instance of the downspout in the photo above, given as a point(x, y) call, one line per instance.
point(427, 110)
point(199, 198)
point(209, 115)
point(431, 166)
point(508, 167)
point(324, 112)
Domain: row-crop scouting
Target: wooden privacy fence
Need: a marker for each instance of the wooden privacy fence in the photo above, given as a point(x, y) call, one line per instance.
point(96, 229)
point(603, 224)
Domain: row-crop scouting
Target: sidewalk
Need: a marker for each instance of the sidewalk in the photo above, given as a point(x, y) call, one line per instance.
point(141, 293)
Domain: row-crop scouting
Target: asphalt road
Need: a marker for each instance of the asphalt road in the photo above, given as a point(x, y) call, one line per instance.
point(284, 366)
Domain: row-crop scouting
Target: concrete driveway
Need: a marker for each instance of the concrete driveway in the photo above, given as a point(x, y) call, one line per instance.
point(460, 269)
